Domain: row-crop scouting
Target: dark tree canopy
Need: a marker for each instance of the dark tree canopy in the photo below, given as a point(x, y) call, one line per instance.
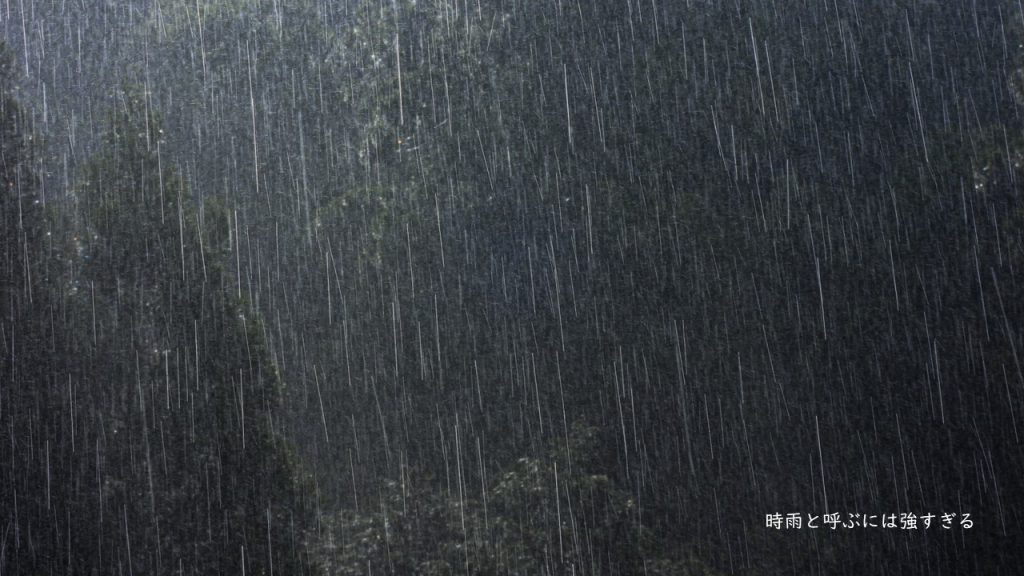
point(518, 287)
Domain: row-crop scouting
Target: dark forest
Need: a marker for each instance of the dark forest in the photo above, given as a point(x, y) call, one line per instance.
point(511, 287)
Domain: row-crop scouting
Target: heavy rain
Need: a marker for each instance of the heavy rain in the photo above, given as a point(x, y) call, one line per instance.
point(511, 287)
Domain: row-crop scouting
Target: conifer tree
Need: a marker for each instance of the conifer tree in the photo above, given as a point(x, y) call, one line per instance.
point(192, 475)
point(31, 422)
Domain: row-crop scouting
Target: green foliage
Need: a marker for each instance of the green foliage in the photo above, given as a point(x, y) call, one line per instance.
point(21, 215)
point(29, 411)
point(556, 513)
point(445, 205)
point(194, 464)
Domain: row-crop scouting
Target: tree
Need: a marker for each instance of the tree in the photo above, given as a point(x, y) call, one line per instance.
point(33, 423)
point(190, 471)
point(556, 513)
point(21, 216)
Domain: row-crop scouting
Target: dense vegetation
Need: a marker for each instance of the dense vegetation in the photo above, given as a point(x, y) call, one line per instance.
point(514, 287)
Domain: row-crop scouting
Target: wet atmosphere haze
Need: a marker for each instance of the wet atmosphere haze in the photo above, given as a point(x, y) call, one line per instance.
point(511, 287)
